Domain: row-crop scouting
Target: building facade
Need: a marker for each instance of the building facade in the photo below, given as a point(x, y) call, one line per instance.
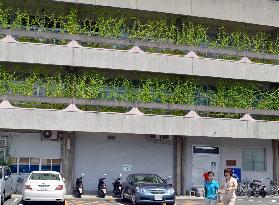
point(120, 87)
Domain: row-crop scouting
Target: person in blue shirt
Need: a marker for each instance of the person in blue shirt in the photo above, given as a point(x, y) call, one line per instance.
point(211, 188)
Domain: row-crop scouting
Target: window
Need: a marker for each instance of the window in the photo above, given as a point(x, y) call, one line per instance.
point(27, 165)
point(205, 150)
point(253, 159)
point(46, 164)
point(7, 172)
point(24, 165)
point(34, 164)
point(2, 150)
point(56, 165)
point(13, 164)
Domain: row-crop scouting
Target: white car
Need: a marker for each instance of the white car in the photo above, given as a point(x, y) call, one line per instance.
point(6, 183)
point(44, 186)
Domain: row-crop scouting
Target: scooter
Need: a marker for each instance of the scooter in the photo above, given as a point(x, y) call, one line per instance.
point(117, 188)
point(79, 187)
point(263, 191)
point(102, 187)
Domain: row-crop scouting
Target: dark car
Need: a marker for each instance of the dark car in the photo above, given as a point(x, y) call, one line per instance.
point(147, 188)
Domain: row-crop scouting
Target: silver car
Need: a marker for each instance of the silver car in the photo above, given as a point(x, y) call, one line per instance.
point(6, 183)
point(147, 188)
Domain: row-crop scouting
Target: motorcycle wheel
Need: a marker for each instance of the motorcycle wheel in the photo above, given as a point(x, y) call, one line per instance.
point(123, 199)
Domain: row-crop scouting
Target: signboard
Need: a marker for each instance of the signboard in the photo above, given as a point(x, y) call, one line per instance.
point(236, 174)
point(127, 168)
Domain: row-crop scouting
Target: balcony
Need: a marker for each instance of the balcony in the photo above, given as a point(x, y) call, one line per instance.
point(72, 119)
point(76, 56)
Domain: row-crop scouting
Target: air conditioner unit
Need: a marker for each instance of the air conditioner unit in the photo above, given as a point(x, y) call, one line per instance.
point(153, 137)
point(49, 135)
point(166, 137)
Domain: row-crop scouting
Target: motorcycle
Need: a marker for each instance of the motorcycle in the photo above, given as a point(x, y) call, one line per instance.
point(102, 187)
point(117, 188)
point(79, 187)
point(274, 189)
point(254, 188)
point(263, 191)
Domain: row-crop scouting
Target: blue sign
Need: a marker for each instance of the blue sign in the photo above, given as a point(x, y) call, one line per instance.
point(236, 172)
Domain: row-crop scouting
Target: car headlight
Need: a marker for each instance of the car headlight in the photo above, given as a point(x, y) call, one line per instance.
point(171, 191)
point(141, 190)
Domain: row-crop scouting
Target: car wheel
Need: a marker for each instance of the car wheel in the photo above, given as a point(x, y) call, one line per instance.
point(3, 198)
point(122, 196)
point(62, 202)
point(10, 196)
point(133, 199)
point(170, 203)
point(25, 202)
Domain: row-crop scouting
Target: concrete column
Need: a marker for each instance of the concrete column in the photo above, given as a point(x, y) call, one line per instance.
point(178, 165)
point(67, 156)
point(275, 148)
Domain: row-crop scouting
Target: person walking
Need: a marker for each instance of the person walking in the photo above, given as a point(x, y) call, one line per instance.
point(211, 188)
point(230, 186)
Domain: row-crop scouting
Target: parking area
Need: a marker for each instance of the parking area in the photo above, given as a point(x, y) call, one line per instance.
point(16, 200)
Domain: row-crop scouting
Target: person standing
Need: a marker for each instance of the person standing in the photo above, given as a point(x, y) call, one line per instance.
point(230, 186)
point(211, 188)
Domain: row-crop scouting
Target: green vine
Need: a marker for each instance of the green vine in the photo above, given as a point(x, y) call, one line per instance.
point(155, 29)
point(92, 85)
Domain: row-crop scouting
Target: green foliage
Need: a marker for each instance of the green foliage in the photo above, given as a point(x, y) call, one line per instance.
point(92, 85)
point(71, 24)
point(111, 24)
point(194, 35)
point(110, 27)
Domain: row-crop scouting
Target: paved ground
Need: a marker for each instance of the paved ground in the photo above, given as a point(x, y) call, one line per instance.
point(93, 201)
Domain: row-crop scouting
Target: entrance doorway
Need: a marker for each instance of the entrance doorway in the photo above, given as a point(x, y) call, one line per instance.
point(204, 159)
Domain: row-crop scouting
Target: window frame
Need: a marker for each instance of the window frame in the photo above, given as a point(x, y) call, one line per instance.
point(253, 159)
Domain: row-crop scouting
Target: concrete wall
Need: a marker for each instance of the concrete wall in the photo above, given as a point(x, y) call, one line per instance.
point(261, 12)
point(31, 145)
point(37, 119)
point(96, 155)
point(231, 149)
point(125, 60)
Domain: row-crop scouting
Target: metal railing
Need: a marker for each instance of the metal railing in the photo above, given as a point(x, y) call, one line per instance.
point(161, 106)
point(141, 43)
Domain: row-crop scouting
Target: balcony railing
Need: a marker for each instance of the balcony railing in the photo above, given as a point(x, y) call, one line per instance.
point(121, 104)
point(207, 52)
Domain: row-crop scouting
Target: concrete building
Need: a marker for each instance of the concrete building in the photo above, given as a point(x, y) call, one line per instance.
point(79, 140)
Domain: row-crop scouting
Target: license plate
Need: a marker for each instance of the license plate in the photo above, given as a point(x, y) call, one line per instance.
point(43, 189)
point(158, 197)
point(105, 191)
point(80, 190)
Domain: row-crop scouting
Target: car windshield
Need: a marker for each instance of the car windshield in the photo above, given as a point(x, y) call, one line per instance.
point(44, 176)
point(148, 179)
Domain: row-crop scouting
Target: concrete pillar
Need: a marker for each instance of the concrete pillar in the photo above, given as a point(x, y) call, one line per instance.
point(275, 148)
point(178, 165)
point(67, 156)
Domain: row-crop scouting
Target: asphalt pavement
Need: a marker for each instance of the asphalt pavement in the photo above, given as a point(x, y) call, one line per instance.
point(16, 200)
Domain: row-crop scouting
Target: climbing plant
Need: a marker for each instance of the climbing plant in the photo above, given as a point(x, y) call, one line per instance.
point(112, 24)
point(94, 85)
